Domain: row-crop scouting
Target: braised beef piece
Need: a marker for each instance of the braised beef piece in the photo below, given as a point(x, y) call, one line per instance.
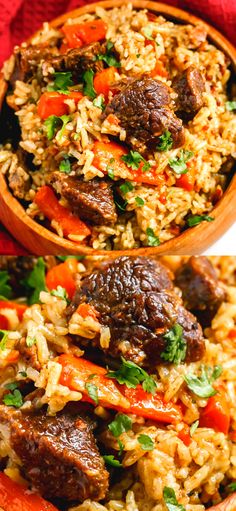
point(136, 300)
point(58, 454)
point(79, 60)
point(28, 59)
point(19, 179)
point(144, 110)
point(189, 86)
point(201, 291)
point(90, 200)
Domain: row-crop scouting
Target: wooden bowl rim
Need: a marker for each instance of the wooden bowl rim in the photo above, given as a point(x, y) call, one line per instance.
point(190, 234)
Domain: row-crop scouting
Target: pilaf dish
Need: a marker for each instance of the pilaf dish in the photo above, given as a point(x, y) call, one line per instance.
point(126, 128)
point(117, 384)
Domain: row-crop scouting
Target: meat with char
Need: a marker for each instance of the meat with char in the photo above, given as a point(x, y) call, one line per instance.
point(58, 454)
point(144, 109)
point(19, 179)
point(201, 291)
point(79, 60)
point(90, 200)
point(190, 87)
point(136, 300)
point(28, 60)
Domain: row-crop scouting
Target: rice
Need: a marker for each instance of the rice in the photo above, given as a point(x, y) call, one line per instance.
point(210, 135)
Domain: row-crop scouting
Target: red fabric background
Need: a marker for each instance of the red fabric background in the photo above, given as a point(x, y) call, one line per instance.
point(20, 18)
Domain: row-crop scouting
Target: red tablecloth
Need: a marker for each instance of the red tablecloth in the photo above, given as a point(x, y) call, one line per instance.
point(20, 18)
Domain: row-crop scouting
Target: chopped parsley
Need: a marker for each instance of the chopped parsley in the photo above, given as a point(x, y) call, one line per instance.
point(13, 399)
point(166, 142)
point(171, 501)
point(92, 391)
point(11, 386)
point(121, 424)
point(231, 105)
point(88, 84)
point(109, 169)
point(202, 385)
point(121, 447)
point(146, 442)
point(3, 341)
point(111, 461)
point(130, 374)
point(53, 122)
point(99, 102)
point(62, 81)
point(65, 165)
point(193, 428)
point(139, 201)
point(121, 204)
point(30, 341)
point(5, 288)
point(110, 45)
point(23, 374)
point(175, 350)
point(231, 487)
point(60, 292)
point(133, 160)
point(152, 239)
point(178, 164)
point(126, 187)
point(35, 281)
point(109, 57)
point(197, 219)
point(65, 119)
point(148, 34)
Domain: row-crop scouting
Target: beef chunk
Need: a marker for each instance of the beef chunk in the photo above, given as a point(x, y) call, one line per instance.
point(190, 87)
point(28, 59)
point(143, 108)
point(90, 200)
point(19, 179)
point(79, 60)
point(135, 299)
point(58, 454)
point(201, 291)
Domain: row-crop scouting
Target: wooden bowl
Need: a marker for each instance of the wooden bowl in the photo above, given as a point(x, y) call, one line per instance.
point(40, 241)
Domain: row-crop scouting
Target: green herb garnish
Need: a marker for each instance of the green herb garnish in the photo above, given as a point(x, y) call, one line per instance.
point(178, 164)
point(175, 350)
point(53, 122)
point(133, 160)
point(99, 102)
point(3, 342)
point(148, 34)
point(88, 84)
point(152, 239)
point(30, 341)
point(197, 219)
point(166, 141)
point(92, 391)
point(5, 288)
point(109, 57)
point(121, 447)
point(130, 374)
point(121, 424)
point(202, 385)
point(193, 428)
point(11, 386)
point(139, 201)
point(60, 292)
point(146, 442)
point(61, 82)
point(35, 282)
point(126, 187)
point(231, 487)
point(111, 461)
point(13, 399)
point(231, 105)
point(171, 501)
point(65, 165)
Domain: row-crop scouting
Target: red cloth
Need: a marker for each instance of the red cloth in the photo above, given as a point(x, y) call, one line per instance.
point(20, 18)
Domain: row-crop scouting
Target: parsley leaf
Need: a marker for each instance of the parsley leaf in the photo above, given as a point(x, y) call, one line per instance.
point(171, 501)
point(92, 391)
point(13, 399)
point(139, 201)
point(65, 119)
point(110, 59)
point(152, 239)
point(3, 341)
point(60, 292)
point(12, 385)
point(121, 447)
point(231, 487)
point(175, 350)
point(126, 187)
point(65, 165)
point(35, 282)
point(51, 124)
point(148, 34)
point(130, 374)
point(110, 460)
point(178, 164)
point(61, 82)
point(88, 84)
point(5, 288)
point(231, 105)
point(121, 424)
point(133, 160)
point(166, 141)
point(193, 428)
point(30, 341)
point(110, 45)
point(146, 442)
point(99, 102)
point(197, 219)
point(202, 385)
point(109, 169)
